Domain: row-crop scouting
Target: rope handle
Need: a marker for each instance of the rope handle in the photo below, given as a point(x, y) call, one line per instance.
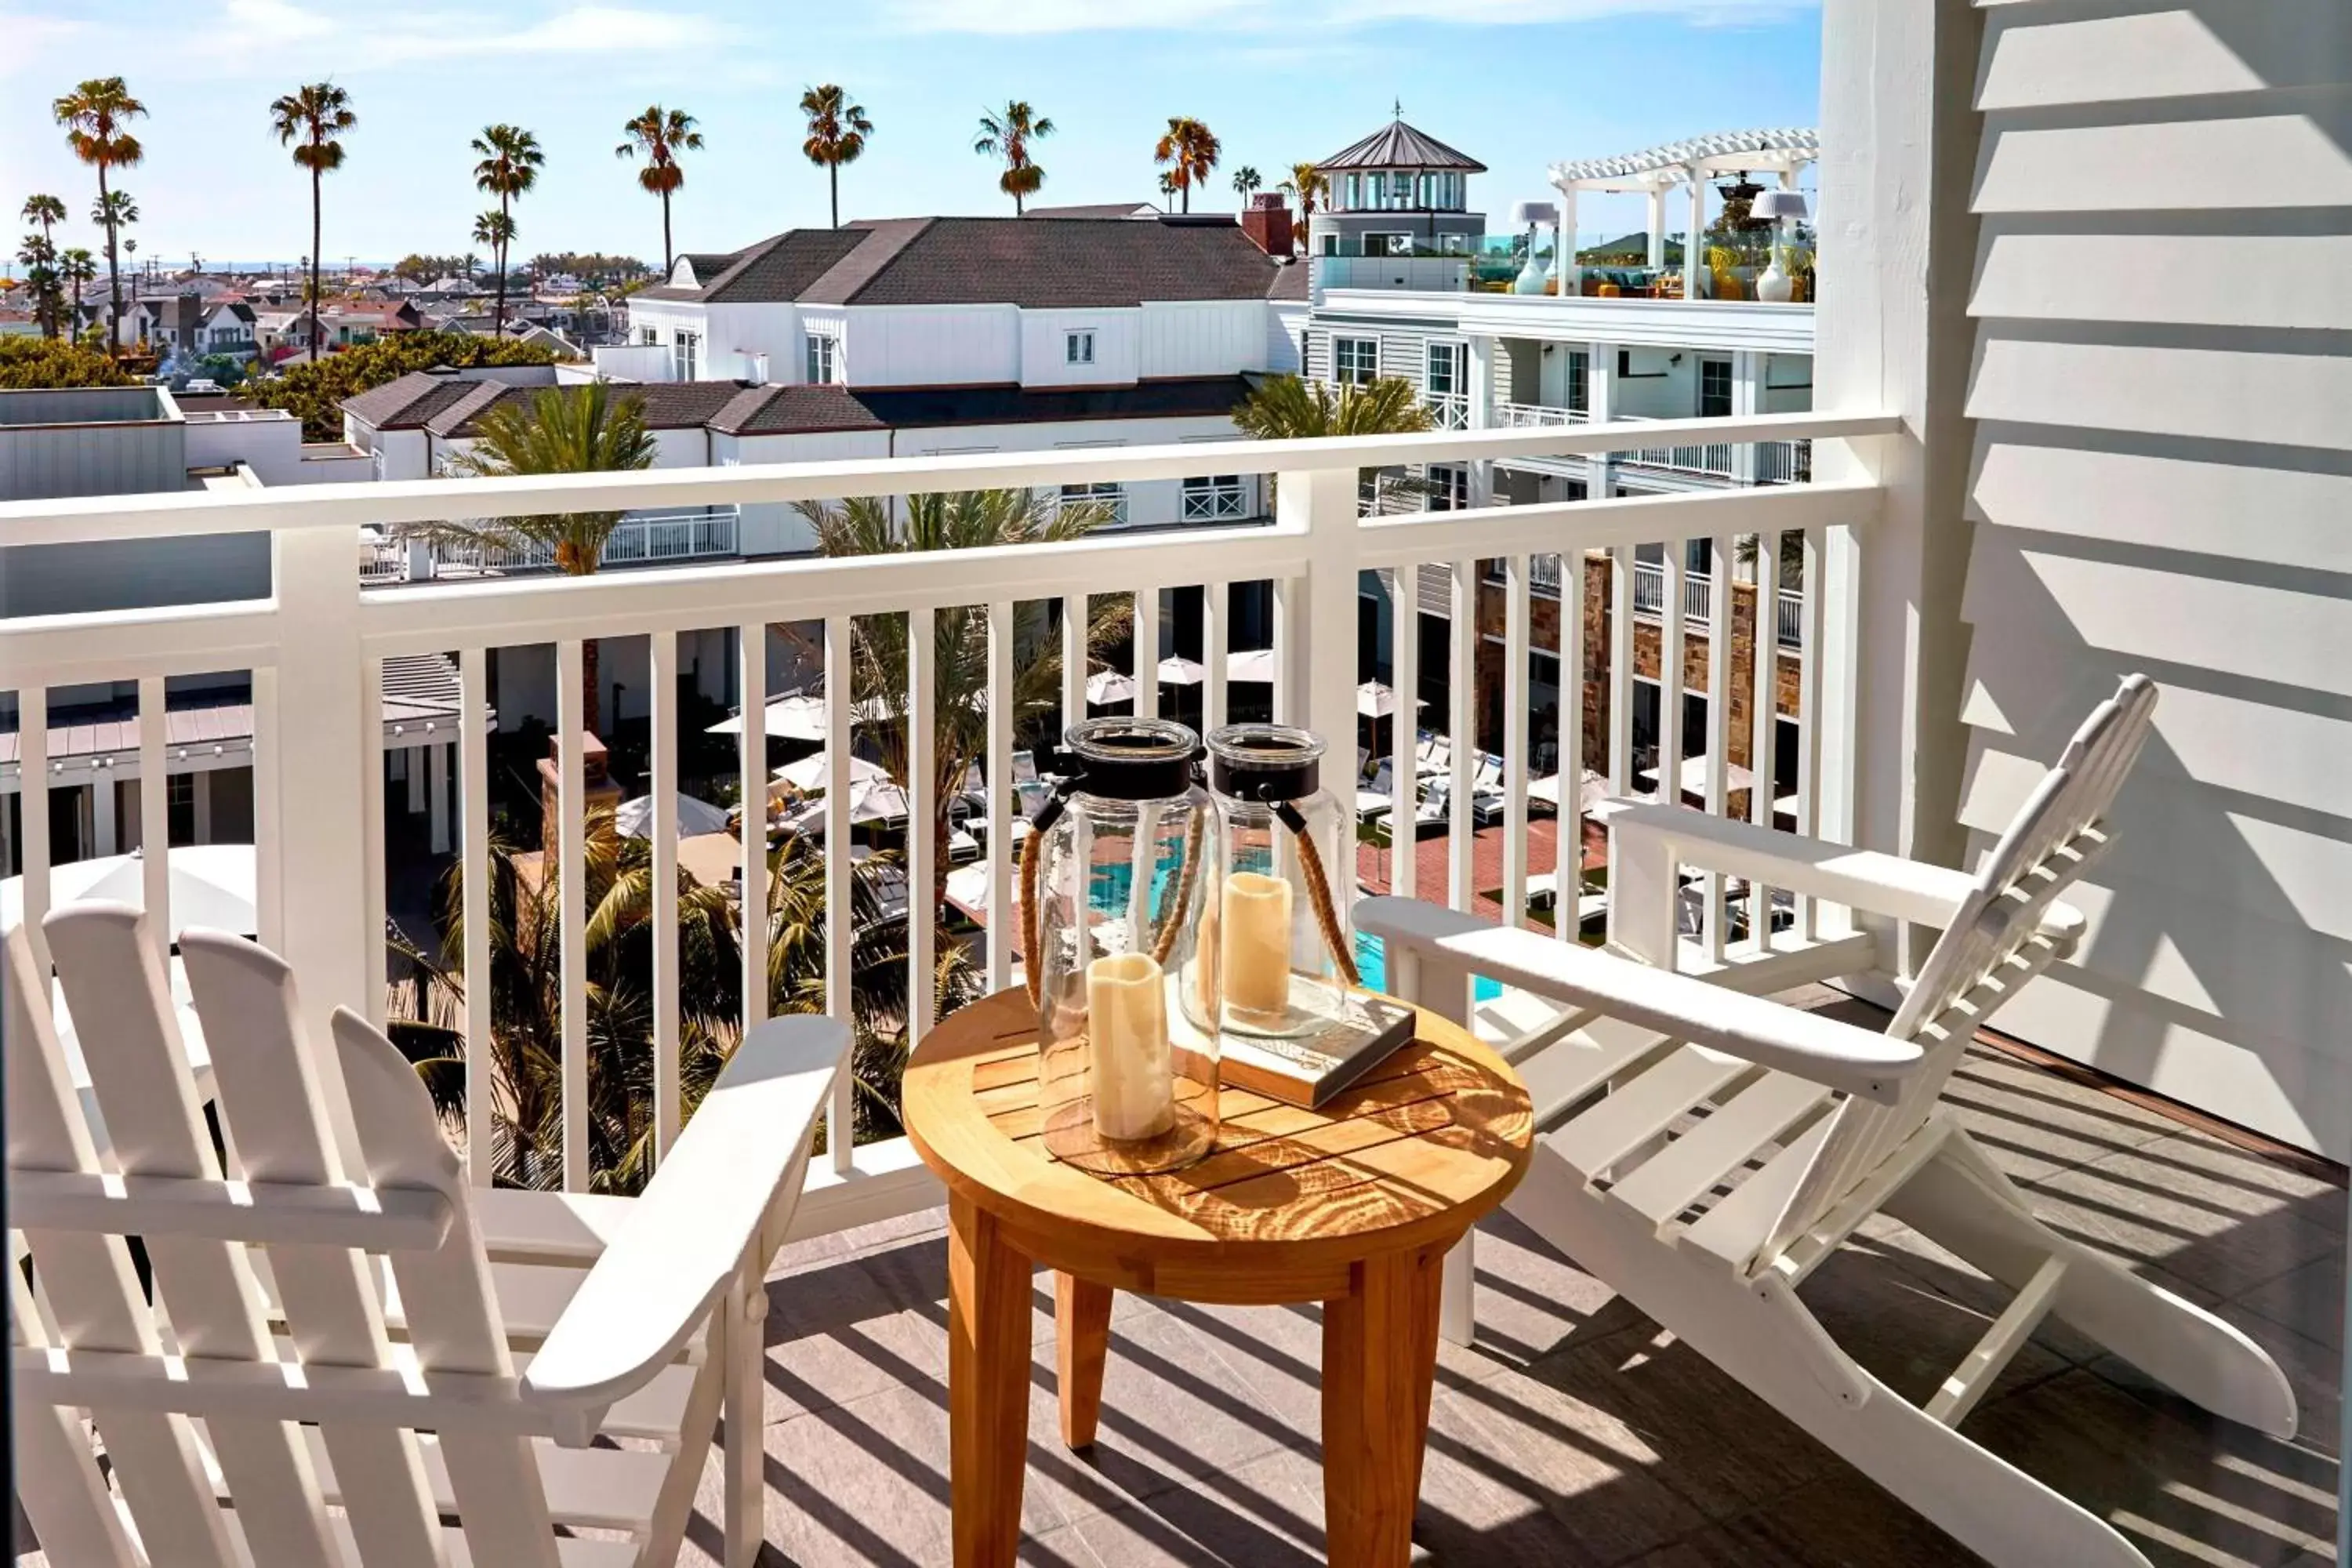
point(1318, 893)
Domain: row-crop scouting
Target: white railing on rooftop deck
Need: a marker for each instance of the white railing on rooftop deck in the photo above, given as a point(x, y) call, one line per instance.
point(315, 651)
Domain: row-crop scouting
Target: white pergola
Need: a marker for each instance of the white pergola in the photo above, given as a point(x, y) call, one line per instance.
point(1693, 163)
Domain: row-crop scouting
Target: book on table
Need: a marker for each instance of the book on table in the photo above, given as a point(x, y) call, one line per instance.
point(1309, 1069)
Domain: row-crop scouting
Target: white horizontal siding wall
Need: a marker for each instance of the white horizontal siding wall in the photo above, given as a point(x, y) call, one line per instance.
point(2163, 399)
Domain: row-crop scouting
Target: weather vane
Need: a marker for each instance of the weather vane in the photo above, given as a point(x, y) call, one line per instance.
point(1397, 109)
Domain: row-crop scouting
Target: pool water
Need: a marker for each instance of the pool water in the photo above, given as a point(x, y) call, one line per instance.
point(1108, 893)
point(1372, 967)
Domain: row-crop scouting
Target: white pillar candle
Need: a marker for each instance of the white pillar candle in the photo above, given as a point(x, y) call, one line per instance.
point(1255, 935)
point(1127, 1034)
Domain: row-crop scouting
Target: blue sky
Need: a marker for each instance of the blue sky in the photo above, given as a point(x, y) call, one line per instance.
point(1516, 83)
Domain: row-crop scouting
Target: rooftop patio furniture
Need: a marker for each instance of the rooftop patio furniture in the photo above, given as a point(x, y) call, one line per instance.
point(1377, 795)
point(1310, 1214)
point(336, 1408)
point(1708, 1149)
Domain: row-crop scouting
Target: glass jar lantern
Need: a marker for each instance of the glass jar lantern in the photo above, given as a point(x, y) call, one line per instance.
point(1114, 875)
point(1282, 959)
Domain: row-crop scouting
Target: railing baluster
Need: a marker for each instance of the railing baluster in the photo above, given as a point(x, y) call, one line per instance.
point(1075, 648)
point(33, 853)
point(1146, 653)
point(922, 816)
point(1215, 604)
point(1763, 712)
point(268, 816)
point(1462, 860)
point(371, 847)
point(840, 924)
point(1718, 730)
point(1516, 644)
point(154, 825)
point(1004, 920)
point(1809, 713)
point(1620, 670)
point(751, 788)
point(1404, 729)
point(1671, 650)
point(661, 673)
point(474, 872)
point(1567, 850)
point(571, 888)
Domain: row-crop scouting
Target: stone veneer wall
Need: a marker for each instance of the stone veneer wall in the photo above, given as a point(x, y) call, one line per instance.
point(1544, 632)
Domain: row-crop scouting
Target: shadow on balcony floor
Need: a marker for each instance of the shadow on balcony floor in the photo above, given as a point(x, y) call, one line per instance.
point(1575, 1432)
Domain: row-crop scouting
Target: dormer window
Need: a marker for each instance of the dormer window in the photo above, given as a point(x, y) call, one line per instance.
point(1079, 348)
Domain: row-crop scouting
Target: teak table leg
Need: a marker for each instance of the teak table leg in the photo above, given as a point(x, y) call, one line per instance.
point(988, 1386)
point(1380, 1358)
point(1082, 1340)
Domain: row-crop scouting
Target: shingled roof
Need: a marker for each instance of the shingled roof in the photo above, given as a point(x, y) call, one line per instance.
point(1397, 145)
point(1039, 264)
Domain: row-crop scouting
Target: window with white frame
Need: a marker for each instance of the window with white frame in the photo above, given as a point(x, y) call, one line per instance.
point(1449, 487)
point(824, 353)
point(650, 335)
point(686, 356)
point(1216, 498)
point(1079, 347)
point(1108, 495)
point(1580, 384)
point(1444, 376)
point(1715, 389)
point(1355, 362)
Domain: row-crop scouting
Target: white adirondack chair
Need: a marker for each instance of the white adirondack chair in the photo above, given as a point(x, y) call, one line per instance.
point(274, 1368)
point(1706, 1148)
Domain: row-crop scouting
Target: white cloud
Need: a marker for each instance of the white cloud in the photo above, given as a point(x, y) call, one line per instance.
point(444, 34)
point(1020, 16)
point(31, 40)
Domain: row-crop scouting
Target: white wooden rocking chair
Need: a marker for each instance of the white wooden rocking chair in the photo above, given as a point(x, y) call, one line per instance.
point(1708, 1149)
point(274, 1369)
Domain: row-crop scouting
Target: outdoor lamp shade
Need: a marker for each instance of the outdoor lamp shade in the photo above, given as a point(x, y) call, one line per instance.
point(1525, 212)
point(1779, 204)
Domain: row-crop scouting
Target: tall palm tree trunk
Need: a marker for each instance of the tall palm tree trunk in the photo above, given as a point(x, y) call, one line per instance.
point(832, 176)
point(498, 316)
point(113, 274)
point(314, 265)
point(668, 259)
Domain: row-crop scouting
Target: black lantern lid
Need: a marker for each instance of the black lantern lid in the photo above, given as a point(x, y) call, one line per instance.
point(1265, 762)
point(1130, 759)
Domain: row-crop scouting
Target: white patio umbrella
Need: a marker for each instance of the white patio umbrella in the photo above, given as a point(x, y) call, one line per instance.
point(1178, 670)
point(1376, 700)
point(1693, 777)
point(814, 773)
point(1590, 790)
point(1106, 686)
point(634, 818)
point(1251, 663)
point(212, 885)
point(800, 717)
point(876, 800)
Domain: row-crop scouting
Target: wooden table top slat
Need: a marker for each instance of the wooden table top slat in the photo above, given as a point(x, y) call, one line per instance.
point(1431, 1137)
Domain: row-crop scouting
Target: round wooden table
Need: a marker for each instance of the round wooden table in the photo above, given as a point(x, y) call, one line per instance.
point(1354, 1205)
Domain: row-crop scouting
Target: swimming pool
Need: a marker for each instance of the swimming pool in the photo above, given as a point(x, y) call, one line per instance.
point(1372, 967)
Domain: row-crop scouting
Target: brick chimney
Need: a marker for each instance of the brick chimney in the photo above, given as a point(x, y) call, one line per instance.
point(594, 775)
point(1266, 220)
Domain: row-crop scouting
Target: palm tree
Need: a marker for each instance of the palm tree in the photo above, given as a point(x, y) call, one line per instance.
point(76, 269)
point(837, 131)
point(661, 134)
point(966, 519)
point(1190, 149)
point(1308, 184)
point(95, 115)
point(1006, 134)
point(114, 212)
point(511, 162)
point(1246, 183)
point(562, 430)
point(525, 980)
point(48, 212)
point(1285, 408)
point(314, 115)
point(41, 279)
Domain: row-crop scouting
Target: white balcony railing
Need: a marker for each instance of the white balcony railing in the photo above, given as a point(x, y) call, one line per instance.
point(1217, 501)
point(315, 653)
point(1447, 410)
point(1536, 415)
point(641, 539)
